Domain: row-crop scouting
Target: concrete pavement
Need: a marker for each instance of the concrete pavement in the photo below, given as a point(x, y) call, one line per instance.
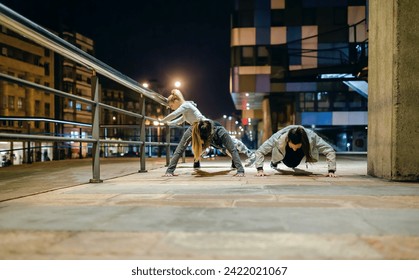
point(206, 214)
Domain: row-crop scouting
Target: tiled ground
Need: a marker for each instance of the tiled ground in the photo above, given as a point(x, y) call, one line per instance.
point(209, 214)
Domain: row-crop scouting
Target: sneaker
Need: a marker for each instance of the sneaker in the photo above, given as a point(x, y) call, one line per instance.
point(251, 160)
point(196, 164)
point(274, 165)
point(205, 154)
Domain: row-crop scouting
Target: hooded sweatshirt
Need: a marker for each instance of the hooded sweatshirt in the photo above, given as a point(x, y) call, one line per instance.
point(277, 143)
point(187, 112)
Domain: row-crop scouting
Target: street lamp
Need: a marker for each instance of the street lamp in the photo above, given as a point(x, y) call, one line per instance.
point(229, 123)
point(178, 84)
point(146, 85)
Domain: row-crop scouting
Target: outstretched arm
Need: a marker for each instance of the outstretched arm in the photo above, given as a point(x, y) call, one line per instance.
point(264, 149)
point(186, 138)
point(330, 154)
point(267, 147)
point(178, 112)
point(177, 121)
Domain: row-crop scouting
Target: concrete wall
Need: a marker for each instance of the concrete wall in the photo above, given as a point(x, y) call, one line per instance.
point(393, 105)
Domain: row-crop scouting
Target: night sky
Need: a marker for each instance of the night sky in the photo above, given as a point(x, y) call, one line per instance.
point(165, 40)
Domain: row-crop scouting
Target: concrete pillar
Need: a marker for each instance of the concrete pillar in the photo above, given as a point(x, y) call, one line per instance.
point(393, 102)
point(267, 123)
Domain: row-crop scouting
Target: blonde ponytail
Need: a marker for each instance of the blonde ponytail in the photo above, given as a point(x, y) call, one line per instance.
point(176, 94)
point(196, 142)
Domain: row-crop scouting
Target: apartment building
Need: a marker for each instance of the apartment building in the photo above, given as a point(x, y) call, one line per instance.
point(75, 79)
point(25, 109)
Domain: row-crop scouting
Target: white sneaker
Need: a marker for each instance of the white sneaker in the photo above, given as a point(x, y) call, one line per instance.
point(251, 160)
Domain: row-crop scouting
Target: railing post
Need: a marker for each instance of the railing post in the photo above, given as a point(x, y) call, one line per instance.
point(81, 143)
point(167, 127)
point(12, 153)
point(95, 131)
point(142, 136)
point(184, 151)
point(167, 144)
point(30, 152)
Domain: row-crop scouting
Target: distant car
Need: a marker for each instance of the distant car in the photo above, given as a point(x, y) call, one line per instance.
point(132, 154)
point(5, 161)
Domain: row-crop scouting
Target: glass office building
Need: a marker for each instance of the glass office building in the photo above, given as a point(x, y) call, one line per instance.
point(302, 62)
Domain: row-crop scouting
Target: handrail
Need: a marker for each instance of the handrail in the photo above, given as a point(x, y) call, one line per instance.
point(328, 32)
point(300, 52)
point(16, 136)
point(49, 40)
point(68, 95)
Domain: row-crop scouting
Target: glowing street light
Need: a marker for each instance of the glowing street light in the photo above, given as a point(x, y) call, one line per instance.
point(178, 84)
point(146, 85)
point(225, 120)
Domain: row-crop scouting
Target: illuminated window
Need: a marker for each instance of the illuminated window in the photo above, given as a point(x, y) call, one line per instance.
point(20, 103)
point(11, 102)
point(323, 103)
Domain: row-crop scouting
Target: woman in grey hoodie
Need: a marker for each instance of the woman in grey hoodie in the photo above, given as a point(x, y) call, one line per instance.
point(207, 133)
point(186, 111)
point(293, 143)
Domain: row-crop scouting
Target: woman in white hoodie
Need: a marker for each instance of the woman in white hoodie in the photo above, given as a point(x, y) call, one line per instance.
point(291, 145)
point(183, 111)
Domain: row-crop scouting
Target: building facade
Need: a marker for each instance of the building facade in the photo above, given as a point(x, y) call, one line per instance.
point(75, 79)
point(24, 109)
point(27, 110)
point(302, 62)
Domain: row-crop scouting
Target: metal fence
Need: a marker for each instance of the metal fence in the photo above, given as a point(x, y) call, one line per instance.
point(45, 38)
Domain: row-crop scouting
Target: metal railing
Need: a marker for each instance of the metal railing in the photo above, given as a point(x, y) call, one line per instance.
point(343, 55)
point(45, 38)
